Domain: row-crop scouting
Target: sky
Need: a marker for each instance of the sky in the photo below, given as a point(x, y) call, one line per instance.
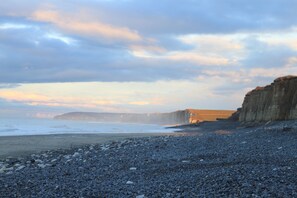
point(140, 55)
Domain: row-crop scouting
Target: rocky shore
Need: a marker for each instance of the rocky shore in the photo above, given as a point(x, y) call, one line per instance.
point(215, 159)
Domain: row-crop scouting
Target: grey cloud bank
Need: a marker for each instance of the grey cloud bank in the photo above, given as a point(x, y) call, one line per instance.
point(38, 48)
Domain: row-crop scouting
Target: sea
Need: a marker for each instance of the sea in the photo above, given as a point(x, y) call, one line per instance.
point(38, 126)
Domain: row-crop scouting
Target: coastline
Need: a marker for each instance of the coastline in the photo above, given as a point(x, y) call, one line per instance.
point(19, 146)
point(213, 159)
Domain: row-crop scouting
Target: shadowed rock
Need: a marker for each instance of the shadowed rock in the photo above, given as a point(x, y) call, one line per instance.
point(277, 101)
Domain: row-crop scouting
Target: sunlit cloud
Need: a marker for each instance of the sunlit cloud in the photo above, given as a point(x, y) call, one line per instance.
point(148, 48)
point(86, 26)
point(37, 99)
point(213, 43)
point(21, 96)
point(249, 75)
point(116, 97)
point(199, 59)
point(141, 57)
point(186, 57)
point(139, 103)
point(206, 50)
point(288, 38)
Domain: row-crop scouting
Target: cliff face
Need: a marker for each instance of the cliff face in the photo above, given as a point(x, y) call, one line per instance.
point(198, 115)
point(277, 101)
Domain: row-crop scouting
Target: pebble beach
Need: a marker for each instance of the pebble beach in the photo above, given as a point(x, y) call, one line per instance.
point(216, 159)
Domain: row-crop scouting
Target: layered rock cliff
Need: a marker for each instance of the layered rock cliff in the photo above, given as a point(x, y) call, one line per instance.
point(277, 101)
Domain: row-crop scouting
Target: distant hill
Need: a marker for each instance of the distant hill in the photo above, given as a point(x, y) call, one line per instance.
point(173, 118)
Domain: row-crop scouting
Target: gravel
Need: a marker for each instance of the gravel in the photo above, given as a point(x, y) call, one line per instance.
point(221, 159)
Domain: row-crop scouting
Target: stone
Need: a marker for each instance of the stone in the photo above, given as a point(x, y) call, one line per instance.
point(185, 161)
point(20, 168)
point(140, 196)
point(39, 161)
point(104, 147)
point(9, 173)
point(43, 165)
point(76, 154)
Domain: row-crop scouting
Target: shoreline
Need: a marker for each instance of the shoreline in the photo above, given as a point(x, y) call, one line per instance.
point(20, 146)
point(216, 159)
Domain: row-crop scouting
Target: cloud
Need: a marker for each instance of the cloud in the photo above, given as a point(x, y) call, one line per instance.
point(206, 50)
point(243, 80)
point(8, 85)
point(37, 99)
point(109, 41)
point(87, 27)
point(199, 59)
point(286, 38)
point(203, 17)
point(19, 96)
point(213, 43)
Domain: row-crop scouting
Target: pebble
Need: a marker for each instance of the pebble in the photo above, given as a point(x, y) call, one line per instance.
point(185, 161)
point(43, 165)
point(230, 169)
point(9, 173)
point(76, 154)
point(140, 196)
point(44, 155)
point(38, 161)
point(4, 169)
point(20, 168)
point(104, 147)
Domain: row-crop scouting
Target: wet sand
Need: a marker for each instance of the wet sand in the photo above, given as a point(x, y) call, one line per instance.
point(17, 146)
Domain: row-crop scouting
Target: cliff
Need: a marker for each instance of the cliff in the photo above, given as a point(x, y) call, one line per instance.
point(173, 118)
point(276, 101)
point(200, 115)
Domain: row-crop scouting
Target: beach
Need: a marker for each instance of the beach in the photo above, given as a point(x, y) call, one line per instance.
point(211, 159)
point(18, 146)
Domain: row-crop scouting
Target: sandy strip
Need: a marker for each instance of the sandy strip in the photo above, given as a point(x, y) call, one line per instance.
point(16, 146)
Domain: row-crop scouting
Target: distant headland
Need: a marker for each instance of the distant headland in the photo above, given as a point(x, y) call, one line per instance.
point(187, 116)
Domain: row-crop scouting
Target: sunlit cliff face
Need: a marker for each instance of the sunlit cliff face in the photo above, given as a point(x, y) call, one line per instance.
point(140, 56)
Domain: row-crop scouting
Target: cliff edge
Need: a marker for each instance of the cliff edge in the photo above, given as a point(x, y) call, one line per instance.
point(277, 101)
